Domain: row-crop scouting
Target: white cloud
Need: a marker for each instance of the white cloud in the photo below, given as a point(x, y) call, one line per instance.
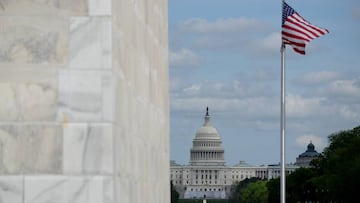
point(184, 58)
point(318, 77)
point(266, 75)
point(222, 26)
point(299, 106)
point(217, 43)
point(350, 112)
point(319, 108)
point(333, 87)
point(304, 140)
point(349, 88)
point(254, 107)
point(239, 89)
point(247, 35)
point(253, 99)
point(268, 44)
point(193, 89)
point(176, 83)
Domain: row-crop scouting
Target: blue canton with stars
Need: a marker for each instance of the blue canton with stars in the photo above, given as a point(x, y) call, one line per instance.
point(287, 11)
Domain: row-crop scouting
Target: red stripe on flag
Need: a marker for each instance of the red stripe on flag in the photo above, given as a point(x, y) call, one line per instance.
point(308, 37)
point(304, 27)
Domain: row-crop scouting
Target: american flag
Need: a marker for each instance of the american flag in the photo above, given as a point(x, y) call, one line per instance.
point(296, 31)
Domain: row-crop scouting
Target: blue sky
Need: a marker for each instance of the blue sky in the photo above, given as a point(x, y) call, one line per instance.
point(225, 54)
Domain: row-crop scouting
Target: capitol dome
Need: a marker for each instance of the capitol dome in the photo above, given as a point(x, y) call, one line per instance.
point(207, 145)
point(207, 131)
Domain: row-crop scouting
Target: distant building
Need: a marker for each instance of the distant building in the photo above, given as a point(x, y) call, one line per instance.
point(207, 175)
point(304, 159)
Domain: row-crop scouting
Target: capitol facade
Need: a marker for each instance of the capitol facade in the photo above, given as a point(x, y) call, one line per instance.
point(207, 176)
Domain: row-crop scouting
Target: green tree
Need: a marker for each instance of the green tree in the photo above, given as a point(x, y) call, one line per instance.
point(234, 197)
point(174, 193)
point(334, 177)
point(254, 192)
point(339, 167)
point(273, 187)
point(301, 187)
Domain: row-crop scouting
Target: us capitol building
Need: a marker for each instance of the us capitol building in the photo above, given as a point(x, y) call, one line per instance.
point(208, 176)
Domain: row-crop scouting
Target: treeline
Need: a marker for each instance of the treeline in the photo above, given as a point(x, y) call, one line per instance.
point(333, 177)
point(173, 193)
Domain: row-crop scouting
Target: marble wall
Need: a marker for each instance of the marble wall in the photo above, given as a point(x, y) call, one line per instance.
point(84, 109)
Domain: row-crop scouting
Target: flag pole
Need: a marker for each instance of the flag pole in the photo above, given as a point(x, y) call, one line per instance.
point(282, 125)
point(282, 138)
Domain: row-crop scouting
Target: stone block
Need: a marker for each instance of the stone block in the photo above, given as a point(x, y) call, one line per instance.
point(29, 96)
point(11, 189)
point(74, 189)
point(48, 7)
point(99, 7)
point(90, 43)
point(85, 96)
point(30, 149)
point(33, 40)
point(88, 149)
